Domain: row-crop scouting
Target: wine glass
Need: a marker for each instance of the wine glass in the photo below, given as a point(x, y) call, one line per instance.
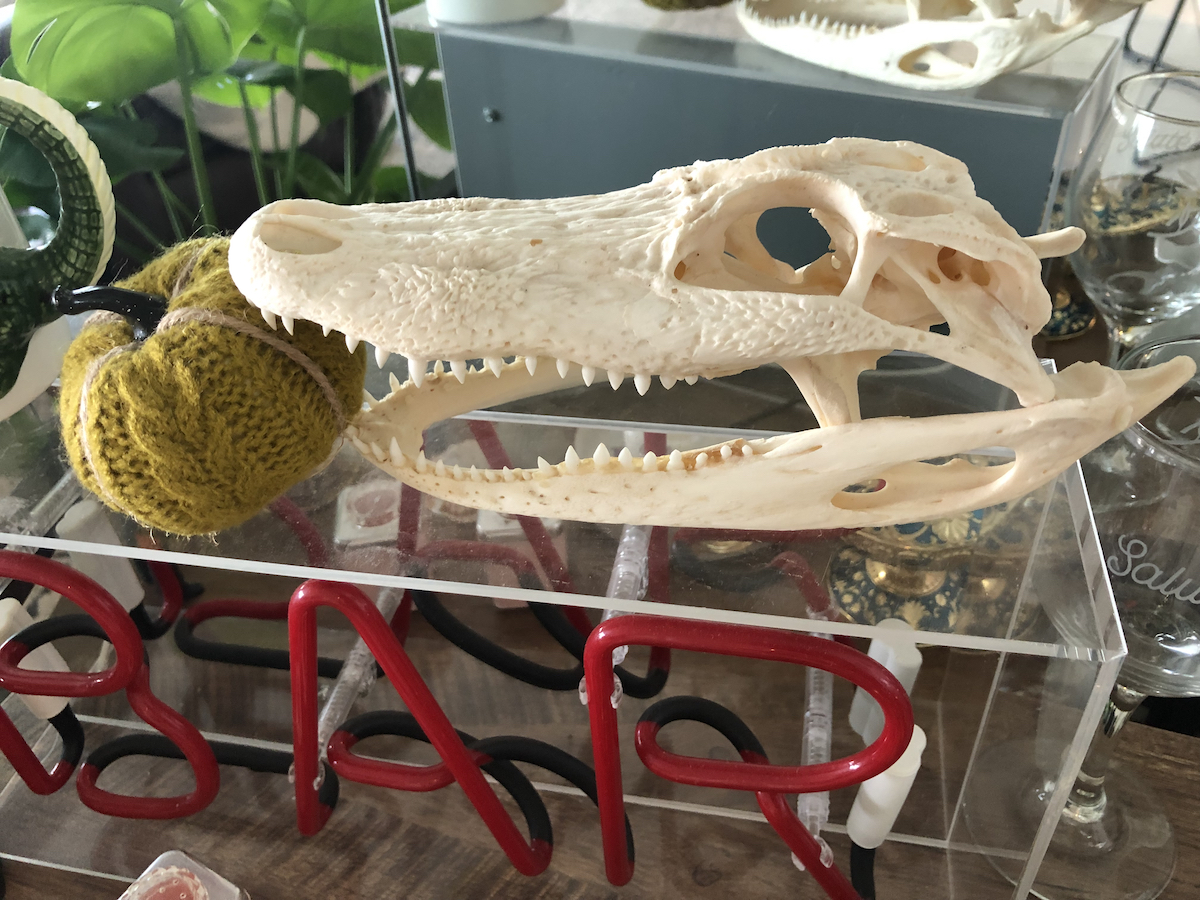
point(1136, 194)
point(1144, 484)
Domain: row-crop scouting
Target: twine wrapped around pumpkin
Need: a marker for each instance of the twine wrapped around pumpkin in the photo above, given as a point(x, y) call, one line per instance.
point(213, 416)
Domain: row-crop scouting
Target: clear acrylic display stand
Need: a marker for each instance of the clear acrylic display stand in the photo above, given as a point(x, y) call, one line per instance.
point(1013, 613)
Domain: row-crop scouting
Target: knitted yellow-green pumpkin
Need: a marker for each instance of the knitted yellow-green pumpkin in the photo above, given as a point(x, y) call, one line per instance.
point(214, 415)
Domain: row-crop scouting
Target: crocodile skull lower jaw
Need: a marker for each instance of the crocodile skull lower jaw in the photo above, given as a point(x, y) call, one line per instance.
point(668, 279)
point(922, 44)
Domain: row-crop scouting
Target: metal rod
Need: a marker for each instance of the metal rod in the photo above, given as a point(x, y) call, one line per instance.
point(396, 78)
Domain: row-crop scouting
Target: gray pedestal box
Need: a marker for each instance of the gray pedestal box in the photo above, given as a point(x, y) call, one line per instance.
point(557, 106)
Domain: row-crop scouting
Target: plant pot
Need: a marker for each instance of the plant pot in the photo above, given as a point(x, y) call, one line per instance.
point(488, 12)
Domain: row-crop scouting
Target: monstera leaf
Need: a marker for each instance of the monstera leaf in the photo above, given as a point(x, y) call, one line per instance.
point(79, 51)
point(348, 29)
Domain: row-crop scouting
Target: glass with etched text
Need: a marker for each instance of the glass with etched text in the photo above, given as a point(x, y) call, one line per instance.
point(1144, 486)
point(1145, 490)
point(1136, 194)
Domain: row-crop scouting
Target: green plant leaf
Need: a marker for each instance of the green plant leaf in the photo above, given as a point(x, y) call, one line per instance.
point(8, 69)
point(390, 185)
point(22, 196)
point(128, 146)
point(20, 161)
point(348, 29)
point(112, 50)
point(222, 89)
point(327, 93)
point(315, 178)
point(427, 106)
point(416, 48)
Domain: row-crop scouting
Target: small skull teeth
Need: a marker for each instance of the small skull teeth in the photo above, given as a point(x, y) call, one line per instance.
point(601, 462)
point(418, 369)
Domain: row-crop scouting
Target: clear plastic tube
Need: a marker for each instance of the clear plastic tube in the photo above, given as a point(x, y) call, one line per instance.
point(629, 580)
point(355, 679)
point(630, 574)
point(813, 809)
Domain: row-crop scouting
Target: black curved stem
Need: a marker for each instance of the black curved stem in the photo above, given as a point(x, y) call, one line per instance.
point(243, 655)
point(227, 753)
point(486, 651)
point(144, 311)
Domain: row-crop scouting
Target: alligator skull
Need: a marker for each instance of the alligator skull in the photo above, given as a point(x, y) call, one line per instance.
point(924, 44)
point(669, 279)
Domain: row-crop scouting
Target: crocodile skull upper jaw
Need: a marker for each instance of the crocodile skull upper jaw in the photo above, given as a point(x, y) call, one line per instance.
point(669, 279)
point(923, 44)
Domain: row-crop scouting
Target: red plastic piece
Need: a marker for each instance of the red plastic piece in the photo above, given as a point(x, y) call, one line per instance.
point(728, 640)
point(535, 532)
point(26, 762)
point(307, 533)
point(93, 600)
point(394, 775)
point(182, 734)
point(528, 858)
point(130, 672)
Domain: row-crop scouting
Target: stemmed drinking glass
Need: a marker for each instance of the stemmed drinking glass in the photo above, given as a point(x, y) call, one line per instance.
point(1114, 840)
point(1136, 194)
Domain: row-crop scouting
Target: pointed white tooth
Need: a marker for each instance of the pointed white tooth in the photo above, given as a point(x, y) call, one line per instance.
point(459, 368)
point(381, 357)
point(491, 475)
point(396, 454)
point(531, 364)
point(625, 458)
point(393, 381)
point(545, 468)
point(572, 460)
point(589, 375)
point(439, 368)
point(351, 343)
point(439, 469)
point(642, 383)
point(701, 460)
point(416, 370)
point(564, 366)
point(726, 451)
point(359, 444)
point(526, 474)
point(457, 472)
point(668, 381)
point(377, 451)
point(675, 463)
point(269, 318)
point(368, 399)
point(289, 324)
point(325, 329)
point(747, 450)
point(476, 475)
point(422, 462)
point(615, 378)
point(649, 462)
point(508, 474)
point(601, 456)
point(692, 379)
point(494, 363)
